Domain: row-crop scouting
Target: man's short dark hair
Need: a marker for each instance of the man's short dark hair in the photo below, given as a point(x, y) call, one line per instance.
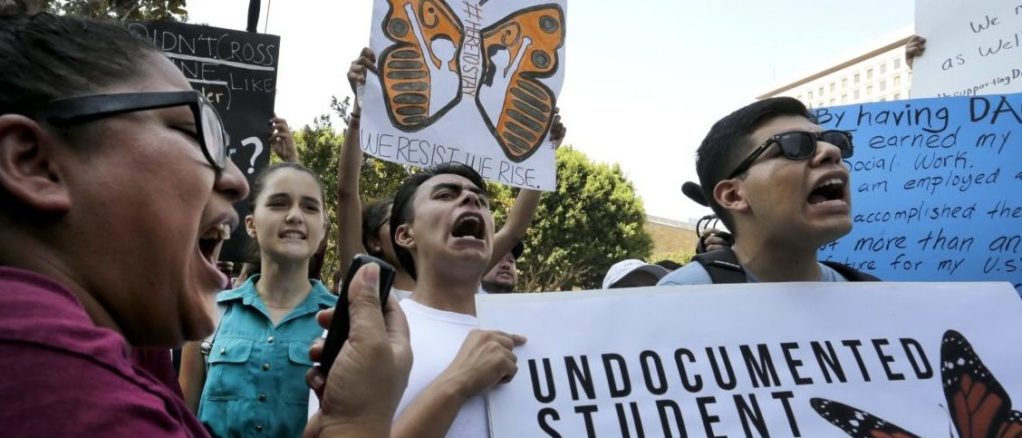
point(403, 210)
point(728, 142)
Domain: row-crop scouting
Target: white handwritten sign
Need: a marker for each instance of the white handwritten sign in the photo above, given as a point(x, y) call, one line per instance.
point(972, 48)
point(757, 360)
point(470, 81)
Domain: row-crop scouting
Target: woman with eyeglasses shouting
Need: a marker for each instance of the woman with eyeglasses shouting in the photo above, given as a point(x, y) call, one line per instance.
point(115, 197)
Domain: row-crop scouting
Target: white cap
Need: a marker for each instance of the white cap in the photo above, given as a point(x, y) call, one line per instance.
point(622, 269)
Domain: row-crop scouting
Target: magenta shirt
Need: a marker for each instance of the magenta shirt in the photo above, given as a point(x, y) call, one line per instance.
point(61, 375)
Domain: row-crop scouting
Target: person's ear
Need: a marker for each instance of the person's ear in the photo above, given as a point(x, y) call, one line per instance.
point(405, 237)
point(373, 245)
point(730, 195)
point(31, 168)
point(250, 226)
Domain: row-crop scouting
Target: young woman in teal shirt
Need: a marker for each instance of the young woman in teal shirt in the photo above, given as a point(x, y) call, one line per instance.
point(253, 381)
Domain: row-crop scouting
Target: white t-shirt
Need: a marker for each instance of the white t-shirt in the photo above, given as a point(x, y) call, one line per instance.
point(436, 337)
point(400, 294)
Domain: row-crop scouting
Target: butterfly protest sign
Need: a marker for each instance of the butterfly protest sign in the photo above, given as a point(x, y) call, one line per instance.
point(759, 360)
point(237, 73)
point(468, 81)
point(934, 186)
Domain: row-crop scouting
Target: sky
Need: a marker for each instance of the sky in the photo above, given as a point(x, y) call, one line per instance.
point(644, 79)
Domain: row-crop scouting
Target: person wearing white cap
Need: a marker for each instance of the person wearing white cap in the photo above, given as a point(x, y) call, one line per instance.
point(633, 273)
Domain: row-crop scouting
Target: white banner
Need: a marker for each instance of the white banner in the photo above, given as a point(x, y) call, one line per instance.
point(757, 360)
point(972, 48)
point(471, 81)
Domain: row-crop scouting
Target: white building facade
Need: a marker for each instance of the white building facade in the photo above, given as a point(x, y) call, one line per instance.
point(876, 75)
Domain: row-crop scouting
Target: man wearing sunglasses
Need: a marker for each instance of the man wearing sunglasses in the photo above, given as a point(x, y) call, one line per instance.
point(778, 182)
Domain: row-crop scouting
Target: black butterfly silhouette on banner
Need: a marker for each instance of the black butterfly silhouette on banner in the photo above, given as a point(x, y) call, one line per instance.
point(979, 405)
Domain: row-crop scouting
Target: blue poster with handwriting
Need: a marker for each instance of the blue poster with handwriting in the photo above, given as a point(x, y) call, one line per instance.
point(936, 188)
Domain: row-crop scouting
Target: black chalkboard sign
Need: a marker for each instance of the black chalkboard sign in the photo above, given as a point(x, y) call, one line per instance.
point(237, 72)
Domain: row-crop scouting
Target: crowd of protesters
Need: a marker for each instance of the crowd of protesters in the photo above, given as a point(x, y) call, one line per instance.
point(117, 196)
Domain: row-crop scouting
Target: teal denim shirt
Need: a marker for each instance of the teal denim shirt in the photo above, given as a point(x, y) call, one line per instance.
point(255, 382)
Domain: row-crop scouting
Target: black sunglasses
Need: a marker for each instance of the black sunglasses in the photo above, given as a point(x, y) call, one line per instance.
point(798, 145)
point(211, 134)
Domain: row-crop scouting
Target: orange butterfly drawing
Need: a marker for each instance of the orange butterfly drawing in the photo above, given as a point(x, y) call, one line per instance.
point(421, 72)
point(979, 405)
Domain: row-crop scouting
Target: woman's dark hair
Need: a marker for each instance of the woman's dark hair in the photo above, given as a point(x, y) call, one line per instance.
point(260, 182)
point(45, 57)
point(257, 188)
point(374, 215)
point(403, 210)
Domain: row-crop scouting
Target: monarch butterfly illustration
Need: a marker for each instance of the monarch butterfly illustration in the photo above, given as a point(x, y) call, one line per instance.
point(421, 72)
point(521, 113)
point(979, 405)
point(428, 37)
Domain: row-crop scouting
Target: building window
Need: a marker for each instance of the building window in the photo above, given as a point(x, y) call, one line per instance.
point(819, 104)
point(821, 91)
point(883, 85)
point(832, 87)
point(883, 68)
point(832, 101)
point(883, 99)
point(869, 74)
point(897, 96)
point(844, 98)
point(844, 83)
point(869, 90)
point(897, 81)
point(897, 63)
point(855, 95)
point(810, 95)
point(856, 81)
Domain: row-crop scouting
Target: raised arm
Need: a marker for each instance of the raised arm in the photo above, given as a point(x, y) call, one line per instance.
point(524, 208)
point(281, 141)
point(349, 166)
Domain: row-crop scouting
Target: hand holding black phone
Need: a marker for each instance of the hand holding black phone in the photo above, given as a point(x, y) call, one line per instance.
point(341, 323)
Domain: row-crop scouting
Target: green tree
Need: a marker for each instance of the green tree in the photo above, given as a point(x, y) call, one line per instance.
point(593, 220)
point(167, 10)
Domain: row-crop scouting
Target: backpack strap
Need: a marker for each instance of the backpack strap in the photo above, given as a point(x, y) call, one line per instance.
point(848, 272)
point(722, 265)
point(207, 344)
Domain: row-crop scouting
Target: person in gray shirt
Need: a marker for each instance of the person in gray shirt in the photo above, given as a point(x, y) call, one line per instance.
point(778, 182)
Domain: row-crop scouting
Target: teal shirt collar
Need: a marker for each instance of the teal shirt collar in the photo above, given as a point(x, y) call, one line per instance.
point(319, 298)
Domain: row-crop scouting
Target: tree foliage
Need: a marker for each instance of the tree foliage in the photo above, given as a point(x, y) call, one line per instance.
point(593, 220)
point(166, 10)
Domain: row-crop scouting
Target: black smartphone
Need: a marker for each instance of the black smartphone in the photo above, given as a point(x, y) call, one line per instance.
point(341, 324)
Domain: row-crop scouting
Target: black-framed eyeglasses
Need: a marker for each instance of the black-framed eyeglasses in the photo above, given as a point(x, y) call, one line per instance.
point(798, 145)
point(212, 137)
